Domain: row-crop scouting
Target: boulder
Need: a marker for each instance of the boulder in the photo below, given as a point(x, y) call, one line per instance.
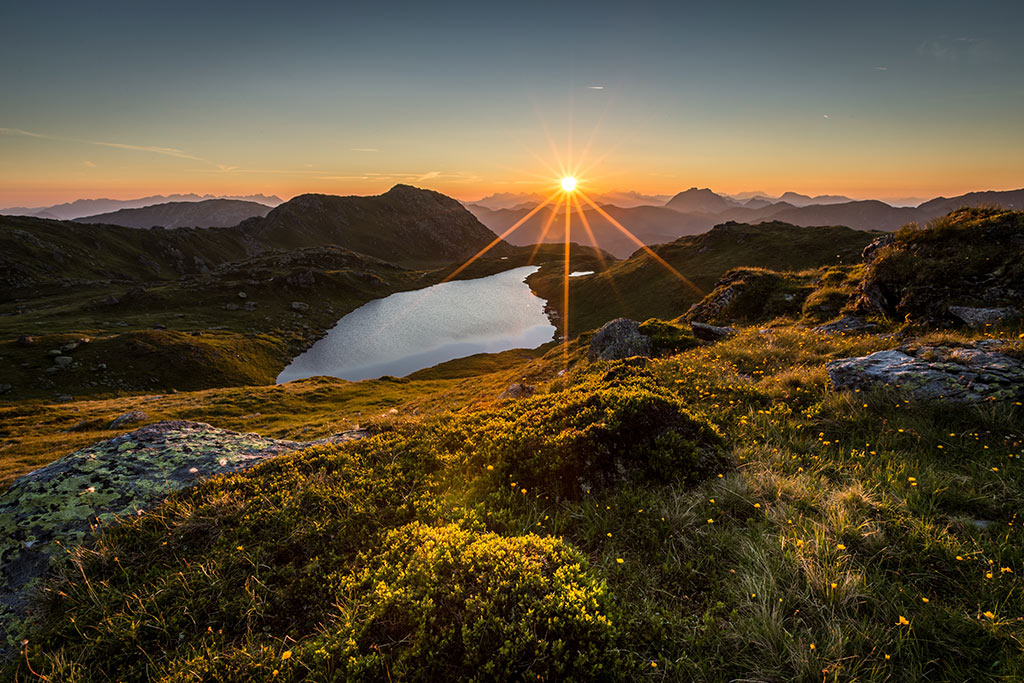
point(983, 317)
point(63, 361)
point(617, 339)
point(130, 417)
point(518, 390)
point(299, 306)
point(47, 512)
point(707, 332)
point(967, 375)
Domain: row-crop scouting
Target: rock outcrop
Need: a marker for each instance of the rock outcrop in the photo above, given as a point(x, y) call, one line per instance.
point(618, 339)
point(967, 267)
point(56, 507)
point(967, 375)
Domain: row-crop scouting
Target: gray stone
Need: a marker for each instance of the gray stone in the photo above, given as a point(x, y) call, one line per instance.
point(128, 418)
point(242, 295)
point(711, 332)
point(518, 390)
point(63, 361)
point(848, 323)
point(983, 317)
point(966, 375)
point(620, 338)
point(299, 306)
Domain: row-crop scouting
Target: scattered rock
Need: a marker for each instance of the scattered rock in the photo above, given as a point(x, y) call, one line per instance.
point(711, 332)
point(848, 323)
point(159, 326)
point(965, 375)
point(242, 295)
point(25, 340)
point(130, 417)
point(301, 280)
point(230, 307)
point(45, 513)
point(53, 353)
point(299, 306)
point(63, 361)
point(983, 317)
point(111, 301)
point(518, 390)
point(617, 339)
point(69, 347)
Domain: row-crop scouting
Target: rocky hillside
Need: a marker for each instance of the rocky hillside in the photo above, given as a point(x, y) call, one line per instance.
point(404, 225)
point(640, 287)
point(211, 213)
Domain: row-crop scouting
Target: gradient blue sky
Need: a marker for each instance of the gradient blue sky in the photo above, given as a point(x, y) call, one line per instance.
point(867, 99)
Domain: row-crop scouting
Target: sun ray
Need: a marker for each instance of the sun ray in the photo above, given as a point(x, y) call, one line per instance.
point(497, 240)
point(600, 256)
point(653, 254)
point(565, 291)
point(544, 233)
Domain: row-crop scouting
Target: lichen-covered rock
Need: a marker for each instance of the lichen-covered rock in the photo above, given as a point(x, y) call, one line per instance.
point(967, 375)
point(618, 339)
point(54, 508)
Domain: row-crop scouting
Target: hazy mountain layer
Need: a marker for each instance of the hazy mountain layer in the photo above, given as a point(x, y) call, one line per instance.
point(209, 213)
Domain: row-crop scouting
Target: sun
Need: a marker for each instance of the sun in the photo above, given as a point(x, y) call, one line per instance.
point(569, 183)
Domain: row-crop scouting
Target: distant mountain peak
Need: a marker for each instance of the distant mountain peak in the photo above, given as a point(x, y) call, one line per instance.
point(700, 200)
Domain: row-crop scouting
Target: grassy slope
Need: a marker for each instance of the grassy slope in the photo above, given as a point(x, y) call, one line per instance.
point(843, 536)
point(838, 515)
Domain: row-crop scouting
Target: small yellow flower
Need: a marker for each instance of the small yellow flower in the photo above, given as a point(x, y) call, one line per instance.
point(240, 548)
point(990, 615)
point(619, 560)
point(988, 575)
point(757, 505)
point(841, 547)
point(654, 665)
point(812, 646)
point(903, 621)
point(959, 558)
point(287, 654)
point(995, 469)
point(609, 534)
point(924, 600)
point(490, 468)
point(835, 585)
point(710, 521)
point(887, 656)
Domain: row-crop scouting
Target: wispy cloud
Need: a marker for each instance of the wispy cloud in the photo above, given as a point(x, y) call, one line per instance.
point(88, 164)
point(881, 68)
point(957, 50)
point(595, 87)
point(166, 151)
point(365, 149)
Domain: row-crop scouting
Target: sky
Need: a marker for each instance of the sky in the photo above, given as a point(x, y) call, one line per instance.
point(867, 99)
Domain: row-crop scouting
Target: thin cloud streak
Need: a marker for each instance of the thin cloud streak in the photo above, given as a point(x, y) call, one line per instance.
point(166, 151)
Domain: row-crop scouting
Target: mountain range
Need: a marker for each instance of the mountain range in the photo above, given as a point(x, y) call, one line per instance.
point(208, 213)
point(697, 210)
point(81, 208)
